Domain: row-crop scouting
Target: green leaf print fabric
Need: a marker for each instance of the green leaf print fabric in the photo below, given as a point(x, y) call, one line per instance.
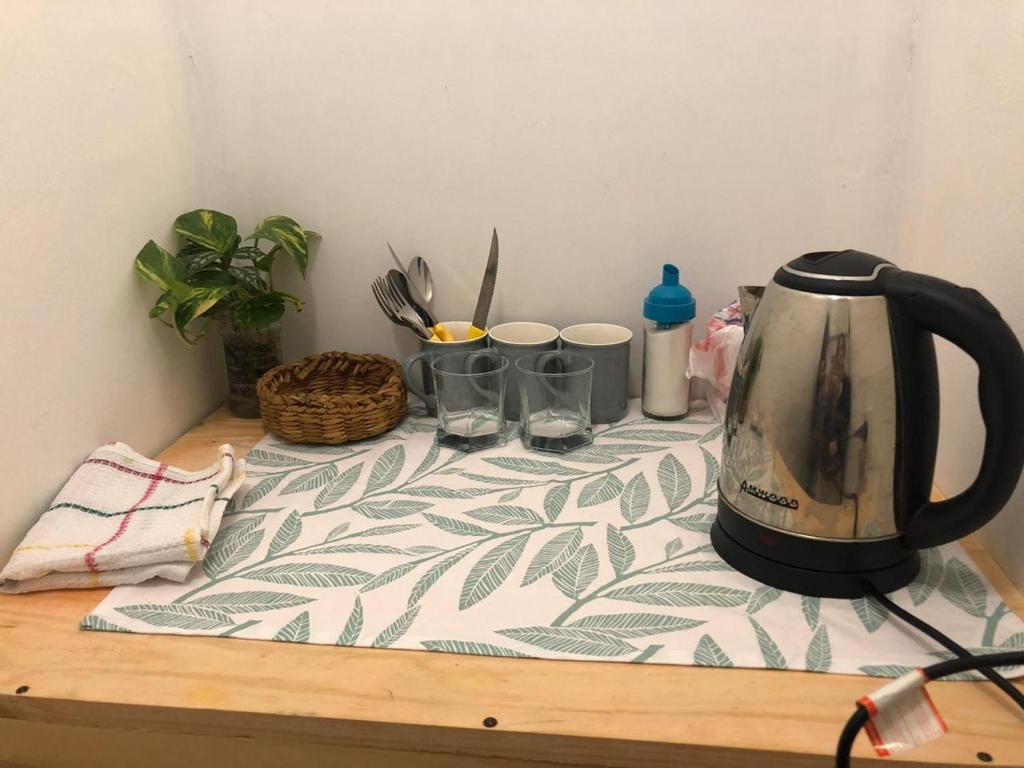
point(601, 554)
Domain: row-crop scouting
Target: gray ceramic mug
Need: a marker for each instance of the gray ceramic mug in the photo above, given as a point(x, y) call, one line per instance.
point(516, 340)
point(416, 369)
point(608, 346)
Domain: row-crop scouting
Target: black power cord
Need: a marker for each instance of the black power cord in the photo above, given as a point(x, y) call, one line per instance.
point(927, 629)
point(965, 661)
point(933, 672)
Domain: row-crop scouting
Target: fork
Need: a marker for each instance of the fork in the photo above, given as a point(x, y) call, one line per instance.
point(397, 309)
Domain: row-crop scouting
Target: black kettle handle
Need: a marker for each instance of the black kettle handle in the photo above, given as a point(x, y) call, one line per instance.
point(966, 318)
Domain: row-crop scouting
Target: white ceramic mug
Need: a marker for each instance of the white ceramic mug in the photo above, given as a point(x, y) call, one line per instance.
point(515, 340)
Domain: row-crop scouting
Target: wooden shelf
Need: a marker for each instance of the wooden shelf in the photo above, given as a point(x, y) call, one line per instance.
point(99, 698)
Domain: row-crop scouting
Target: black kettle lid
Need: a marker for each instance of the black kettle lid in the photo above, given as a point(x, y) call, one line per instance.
point(847, 273)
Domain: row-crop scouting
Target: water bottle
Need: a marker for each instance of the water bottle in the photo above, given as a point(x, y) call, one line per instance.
point(669, 310)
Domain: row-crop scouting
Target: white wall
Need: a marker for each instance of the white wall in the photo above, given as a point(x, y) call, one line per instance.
point(962, 213)
point(96, 156)
point(601, 138)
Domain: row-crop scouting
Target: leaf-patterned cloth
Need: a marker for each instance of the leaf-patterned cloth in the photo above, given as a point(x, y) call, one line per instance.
point(602, 553)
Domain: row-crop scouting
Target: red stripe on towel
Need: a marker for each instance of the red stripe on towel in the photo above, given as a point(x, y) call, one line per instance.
point(155, 478)
point(147, 475)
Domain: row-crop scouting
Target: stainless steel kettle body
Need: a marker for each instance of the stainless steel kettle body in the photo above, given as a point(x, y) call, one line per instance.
point(832, 422)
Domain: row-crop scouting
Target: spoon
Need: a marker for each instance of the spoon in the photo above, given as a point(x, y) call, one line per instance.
point(419, 275)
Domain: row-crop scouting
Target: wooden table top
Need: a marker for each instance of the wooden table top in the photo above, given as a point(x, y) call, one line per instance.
point(433, 705)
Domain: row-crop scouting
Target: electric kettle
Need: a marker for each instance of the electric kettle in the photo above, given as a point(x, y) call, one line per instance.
point(833, 418)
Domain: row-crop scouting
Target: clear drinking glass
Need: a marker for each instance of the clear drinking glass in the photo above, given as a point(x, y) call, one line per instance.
point(470, 389)
point(554, 390)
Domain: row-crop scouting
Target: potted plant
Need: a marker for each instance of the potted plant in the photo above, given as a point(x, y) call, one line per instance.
point(218, 276)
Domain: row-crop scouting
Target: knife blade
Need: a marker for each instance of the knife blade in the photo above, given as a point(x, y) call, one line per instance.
point(483, 301)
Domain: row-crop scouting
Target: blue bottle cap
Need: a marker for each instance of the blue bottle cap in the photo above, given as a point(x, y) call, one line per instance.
point(670, 302)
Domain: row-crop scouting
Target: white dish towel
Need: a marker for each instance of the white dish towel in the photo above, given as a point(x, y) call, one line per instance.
point(121, 519)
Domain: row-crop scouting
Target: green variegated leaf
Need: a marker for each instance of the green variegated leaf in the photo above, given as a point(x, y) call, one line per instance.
point(651, 435)
point(505, 514)
point(710, 471)
point(433, 574)
point(710, 654)
point(761, 597)
point(635, 499)
point(871, 614)
point(569, 640)
point(310, 575)
point(258, 457)
point(211, 229)
point(773, 657)
point(491, 570)
point(674, 547)
point(385, 510)
point(260, 311)
point(674, 480)
point(394, 573)
point(532, 466)
point(310, 481)
point(554, 554)
point(599, 490)
point(334, 489)
point(199, 301)
point(928, 577)
point(177, 615)
point(819, 652)
point(259, 490)
point(886, 670)
point(695, 523)
point(396, 629)
point(233, 547)
point(636, 624)
point(471, 648)
point(578, 573)
point(380, 530)
point(456, 526)
point(354, 626)
point(96, 624)
point(162, 304)
point(620, 550)
point(286, 233)
point(386, 469)
point(811, 607)
point(255, 601)
point(963, 587)
point(555, 500)
point(441, 492)
point(692, 566)
point(295, 631)
point(164, 271)
point(712, 434)
point(680, 594)
point(286, 534)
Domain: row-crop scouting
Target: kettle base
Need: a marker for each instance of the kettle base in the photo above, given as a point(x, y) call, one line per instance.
point(886, 565)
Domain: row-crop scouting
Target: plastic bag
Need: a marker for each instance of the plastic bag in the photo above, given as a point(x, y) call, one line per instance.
point(713, 358)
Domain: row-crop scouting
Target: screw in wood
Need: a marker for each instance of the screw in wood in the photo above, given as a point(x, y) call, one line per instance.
point(490, 722)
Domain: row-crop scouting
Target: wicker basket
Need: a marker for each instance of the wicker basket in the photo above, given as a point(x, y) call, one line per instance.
point(332, 398)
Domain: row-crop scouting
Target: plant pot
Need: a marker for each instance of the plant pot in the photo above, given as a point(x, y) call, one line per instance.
point(248, 354)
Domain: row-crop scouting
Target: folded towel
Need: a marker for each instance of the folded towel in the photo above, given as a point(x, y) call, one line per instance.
point(122, 518)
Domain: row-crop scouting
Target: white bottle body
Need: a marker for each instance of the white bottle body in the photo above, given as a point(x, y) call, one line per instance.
point(666, 389)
